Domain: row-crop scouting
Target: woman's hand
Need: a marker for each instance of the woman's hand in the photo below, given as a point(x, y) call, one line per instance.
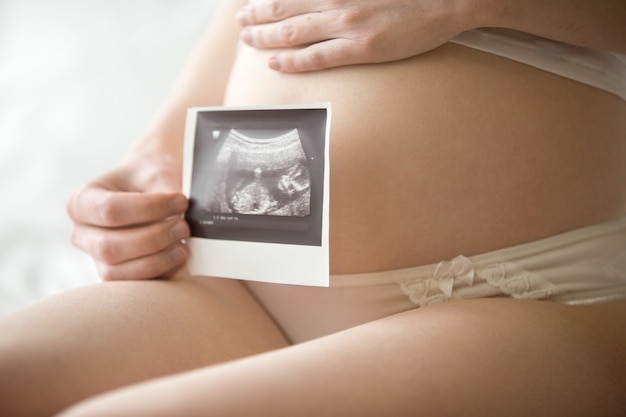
point(333, 33)
point(129, 220)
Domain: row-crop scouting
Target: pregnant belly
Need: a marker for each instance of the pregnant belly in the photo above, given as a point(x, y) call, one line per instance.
point(452, 152)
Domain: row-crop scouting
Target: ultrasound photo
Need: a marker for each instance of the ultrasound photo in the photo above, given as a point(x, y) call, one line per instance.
point(258, 175)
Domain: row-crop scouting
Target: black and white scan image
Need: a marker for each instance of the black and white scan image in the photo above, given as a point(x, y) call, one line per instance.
point(258, 175)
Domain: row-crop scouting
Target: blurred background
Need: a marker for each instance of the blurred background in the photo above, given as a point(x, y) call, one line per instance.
point(79, 81)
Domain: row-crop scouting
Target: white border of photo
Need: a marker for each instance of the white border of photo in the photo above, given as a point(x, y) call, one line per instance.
point(259, 261)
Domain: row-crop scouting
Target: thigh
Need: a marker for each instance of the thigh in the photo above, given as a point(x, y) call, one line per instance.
point(475, 358)
point(107, 335)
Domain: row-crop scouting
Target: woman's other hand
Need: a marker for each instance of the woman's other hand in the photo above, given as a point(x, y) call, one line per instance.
point(331, 33)
point(129, 220)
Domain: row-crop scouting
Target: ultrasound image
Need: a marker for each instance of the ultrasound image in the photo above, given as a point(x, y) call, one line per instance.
point(260, 176)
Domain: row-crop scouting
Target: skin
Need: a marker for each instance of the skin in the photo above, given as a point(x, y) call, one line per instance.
point(122, 199)
point(219, 353)
point(100, 337)
point(472, 358)
point(339, 32)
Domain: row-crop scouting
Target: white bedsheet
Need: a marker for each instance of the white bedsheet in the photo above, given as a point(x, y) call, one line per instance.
point(79, 80)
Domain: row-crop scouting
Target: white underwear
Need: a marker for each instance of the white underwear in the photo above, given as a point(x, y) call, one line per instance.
point(600, 69)
point(582, 266)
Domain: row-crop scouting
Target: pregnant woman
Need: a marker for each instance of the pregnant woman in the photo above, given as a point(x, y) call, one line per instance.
point(477, 228)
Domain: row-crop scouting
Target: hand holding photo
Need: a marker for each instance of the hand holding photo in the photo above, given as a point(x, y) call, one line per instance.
point(257, 183)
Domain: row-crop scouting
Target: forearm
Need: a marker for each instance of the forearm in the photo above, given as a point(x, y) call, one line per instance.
point(596, 24)
point(202, 83)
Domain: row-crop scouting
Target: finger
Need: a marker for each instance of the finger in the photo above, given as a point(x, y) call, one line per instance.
point(99, 207)
point(294, 31)
point(153, 266)
point(323, 55)
point(114, 246)
point(266, 11)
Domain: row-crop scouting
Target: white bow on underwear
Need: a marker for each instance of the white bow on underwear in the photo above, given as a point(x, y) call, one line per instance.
point(458, 269)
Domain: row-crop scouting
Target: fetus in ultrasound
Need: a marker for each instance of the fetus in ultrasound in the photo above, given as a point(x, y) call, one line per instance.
point(267, 176)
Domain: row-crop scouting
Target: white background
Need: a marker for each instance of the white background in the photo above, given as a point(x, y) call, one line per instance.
point(79, 80)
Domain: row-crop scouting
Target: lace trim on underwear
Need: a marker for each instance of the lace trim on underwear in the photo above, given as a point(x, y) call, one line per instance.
point(579, 266)
point(506, 277)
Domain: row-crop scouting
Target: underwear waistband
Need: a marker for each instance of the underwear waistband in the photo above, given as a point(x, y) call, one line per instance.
point(601, 69)
point(568, 267)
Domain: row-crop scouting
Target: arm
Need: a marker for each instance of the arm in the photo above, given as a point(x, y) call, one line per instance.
point(202, 82)
point(337, 32)
point(129, 220)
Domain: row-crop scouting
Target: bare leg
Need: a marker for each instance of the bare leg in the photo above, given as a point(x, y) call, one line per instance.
point(474, 358)
point(100, 337)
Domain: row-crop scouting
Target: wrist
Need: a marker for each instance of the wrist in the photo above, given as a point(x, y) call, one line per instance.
point(160, 140)
point(155, 151)
point(153, 168)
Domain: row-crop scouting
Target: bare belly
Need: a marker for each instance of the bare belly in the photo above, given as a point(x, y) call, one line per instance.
point(453, 152)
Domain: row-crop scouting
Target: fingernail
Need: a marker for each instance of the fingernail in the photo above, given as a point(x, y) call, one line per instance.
point(177, 253)
point(242, 17)
point(178, 204)
point(246, 36)
point(274, 63)
point(179, 231)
